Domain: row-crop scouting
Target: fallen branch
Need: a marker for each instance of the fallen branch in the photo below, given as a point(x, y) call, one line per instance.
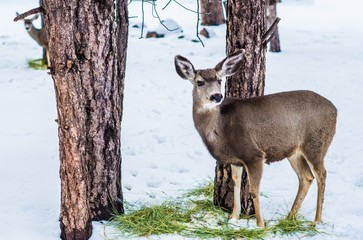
point(269, 33)
point(28, 13)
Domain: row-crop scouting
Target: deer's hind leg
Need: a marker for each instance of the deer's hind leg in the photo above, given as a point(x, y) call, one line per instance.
point(236, 176)
point(254, 172)
point(316, 164)
point(302, 169)
point(48, 57)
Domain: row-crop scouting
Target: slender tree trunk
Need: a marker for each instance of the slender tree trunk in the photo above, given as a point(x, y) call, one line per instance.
point(212, 13)
point(246, 24)
point(45, 59)
point(87, 42)
point(272, 14)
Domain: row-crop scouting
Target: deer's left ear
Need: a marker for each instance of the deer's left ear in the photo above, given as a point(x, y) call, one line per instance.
point(229, 66)
point(184, 68)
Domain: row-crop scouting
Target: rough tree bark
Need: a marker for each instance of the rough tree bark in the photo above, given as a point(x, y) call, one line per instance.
point(272, 14)
point(212, 13)
point(87, 42)
point(246, 25)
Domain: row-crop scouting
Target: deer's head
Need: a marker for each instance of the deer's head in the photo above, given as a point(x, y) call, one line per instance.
point(207, 89)
point(28, 23)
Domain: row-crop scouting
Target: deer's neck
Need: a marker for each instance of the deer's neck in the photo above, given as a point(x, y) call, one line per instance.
point(206, 122)
point(34, 32)
point(38, 35)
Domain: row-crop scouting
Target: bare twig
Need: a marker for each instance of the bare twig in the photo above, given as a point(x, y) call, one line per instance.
point(190, 10)
point(166, 5)
point(143, 18)
point(198, 21)
point(268, 39)
point(269, 33)
point(161, 22)
point(28, 13)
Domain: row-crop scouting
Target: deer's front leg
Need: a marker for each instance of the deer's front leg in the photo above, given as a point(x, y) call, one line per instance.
point(236, 176)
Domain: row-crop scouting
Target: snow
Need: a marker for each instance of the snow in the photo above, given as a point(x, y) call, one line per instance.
point(162, 152)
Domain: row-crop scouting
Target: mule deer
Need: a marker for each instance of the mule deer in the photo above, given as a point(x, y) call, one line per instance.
point(297, 125)
point(39, 35)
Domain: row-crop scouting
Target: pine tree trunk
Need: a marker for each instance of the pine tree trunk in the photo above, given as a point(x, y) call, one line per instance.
point(212, 13)
point(223, 190)
point(246, 24)
point(272, 14)
point(87, 43)
point(44, 56)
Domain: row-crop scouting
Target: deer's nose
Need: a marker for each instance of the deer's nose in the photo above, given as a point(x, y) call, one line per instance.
point(216, 97)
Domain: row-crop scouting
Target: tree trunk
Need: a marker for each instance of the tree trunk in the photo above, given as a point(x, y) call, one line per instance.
point(87, 42)
point(212, 13)
point(44, 57)
point(223, 190)
point(246, 24)
point(272, 14)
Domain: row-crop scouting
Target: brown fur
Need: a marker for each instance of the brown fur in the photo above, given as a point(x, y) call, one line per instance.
point(39, 35)
point(297, 125)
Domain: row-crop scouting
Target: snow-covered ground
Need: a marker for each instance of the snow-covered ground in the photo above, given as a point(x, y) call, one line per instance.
point(162, 153)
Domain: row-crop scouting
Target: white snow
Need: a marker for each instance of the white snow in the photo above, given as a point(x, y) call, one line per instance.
point(162, 152)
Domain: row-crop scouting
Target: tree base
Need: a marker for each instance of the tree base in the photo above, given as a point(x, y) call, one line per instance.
point(76, 234)
point(223, 190)
point(106, 212)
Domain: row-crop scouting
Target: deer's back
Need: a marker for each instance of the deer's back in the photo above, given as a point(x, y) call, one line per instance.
point(277, 124)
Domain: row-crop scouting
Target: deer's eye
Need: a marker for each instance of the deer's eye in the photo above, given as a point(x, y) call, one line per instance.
point(219, 82)
point(200, 83)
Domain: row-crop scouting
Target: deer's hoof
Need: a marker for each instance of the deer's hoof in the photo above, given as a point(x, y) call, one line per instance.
point(292, 216)
point(260, 224)
point(234, 216)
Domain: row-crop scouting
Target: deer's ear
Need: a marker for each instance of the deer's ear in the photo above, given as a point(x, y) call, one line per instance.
point(184, 68)
point(36, 16)
point(229, 66)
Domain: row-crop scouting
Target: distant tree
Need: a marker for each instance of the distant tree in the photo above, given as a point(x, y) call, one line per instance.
point(212, 12)
point(246, 24)
point(45, 59)
point(272, 14)
point(87, 41)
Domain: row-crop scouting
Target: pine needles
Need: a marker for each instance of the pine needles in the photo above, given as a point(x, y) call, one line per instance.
point(298, 225)
point(194, 215)
point(37, 64)
point(158, 219)
point(205, 190)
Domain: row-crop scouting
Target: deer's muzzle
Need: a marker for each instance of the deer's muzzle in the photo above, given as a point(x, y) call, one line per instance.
point(216, 97)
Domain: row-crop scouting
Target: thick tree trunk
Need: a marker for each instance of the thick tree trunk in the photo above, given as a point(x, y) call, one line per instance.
point(87, 42)
point(212, 13)
point(272, 14)
point(223, 190)
point(246, 24)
